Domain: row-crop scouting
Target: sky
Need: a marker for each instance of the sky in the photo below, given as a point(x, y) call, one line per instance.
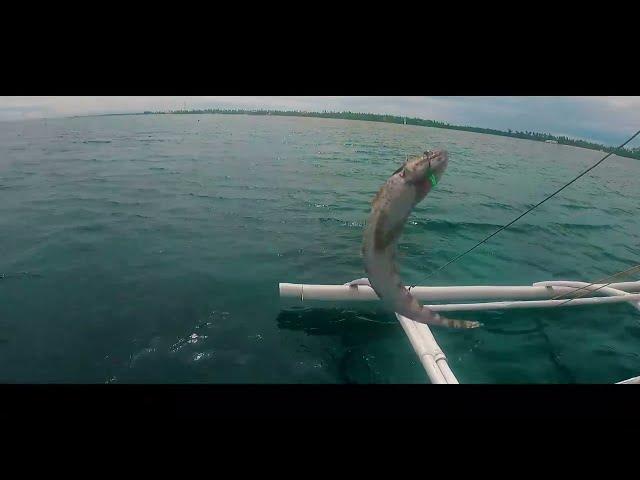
point(608, 120)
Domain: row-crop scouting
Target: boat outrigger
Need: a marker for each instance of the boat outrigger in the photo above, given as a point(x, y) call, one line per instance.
point(432, 357)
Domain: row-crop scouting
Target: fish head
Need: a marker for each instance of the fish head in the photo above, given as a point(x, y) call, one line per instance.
point(427, 168)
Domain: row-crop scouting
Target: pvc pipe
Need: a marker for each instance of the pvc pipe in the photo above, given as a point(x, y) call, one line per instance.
point(580, 285)
point(624, 286)
point(342, 292)
point(435, 350)
point(627, 286)
point(365, 293)
point(427, 360)
point(447, 373)
point(634, 380)
point(431, 356)
point(459, 307)
point(434, 373)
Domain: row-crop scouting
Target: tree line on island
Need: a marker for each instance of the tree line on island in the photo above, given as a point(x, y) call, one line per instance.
point(373, 117)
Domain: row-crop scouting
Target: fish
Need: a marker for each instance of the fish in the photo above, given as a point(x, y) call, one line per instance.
point(390, 208)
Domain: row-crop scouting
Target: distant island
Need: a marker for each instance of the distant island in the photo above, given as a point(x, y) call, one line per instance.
point(372, 117)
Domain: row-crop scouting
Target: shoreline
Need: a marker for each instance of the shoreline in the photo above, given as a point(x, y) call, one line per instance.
point(399, 120)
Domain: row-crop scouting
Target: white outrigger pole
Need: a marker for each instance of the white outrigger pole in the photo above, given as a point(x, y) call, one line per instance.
point(433, 359)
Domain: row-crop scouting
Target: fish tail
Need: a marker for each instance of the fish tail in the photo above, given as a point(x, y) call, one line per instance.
point(451, 323)
point(433, 318)
point(422, 314)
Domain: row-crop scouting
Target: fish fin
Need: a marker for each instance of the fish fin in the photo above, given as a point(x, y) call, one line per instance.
point(399, 170)
point(434, 318)
point(359, 281)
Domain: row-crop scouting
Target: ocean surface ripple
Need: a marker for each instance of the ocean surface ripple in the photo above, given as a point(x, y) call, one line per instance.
point(148, 249)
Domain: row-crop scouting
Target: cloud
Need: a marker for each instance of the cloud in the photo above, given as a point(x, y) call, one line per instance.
point(605, 119)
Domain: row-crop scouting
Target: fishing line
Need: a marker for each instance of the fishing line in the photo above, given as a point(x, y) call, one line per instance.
point(615, 275)
point(532, 208)
point(629, 271)
point(637, 267)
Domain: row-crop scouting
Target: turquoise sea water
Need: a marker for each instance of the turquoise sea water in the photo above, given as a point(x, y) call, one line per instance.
point(150, 248)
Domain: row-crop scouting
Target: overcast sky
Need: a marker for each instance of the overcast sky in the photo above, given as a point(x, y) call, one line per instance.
point(604, 119)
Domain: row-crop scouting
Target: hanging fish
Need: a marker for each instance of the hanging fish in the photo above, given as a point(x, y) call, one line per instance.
point(389, 212)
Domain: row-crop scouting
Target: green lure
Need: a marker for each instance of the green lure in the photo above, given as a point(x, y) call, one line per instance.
point(434, 180)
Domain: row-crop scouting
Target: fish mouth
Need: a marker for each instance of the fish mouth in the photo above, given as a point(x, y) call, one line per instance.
point(438, 160)
point(443, 155)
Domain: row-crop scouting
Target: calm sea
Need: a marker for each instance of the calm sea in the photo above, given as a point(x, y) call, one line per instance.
point(150, 248)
